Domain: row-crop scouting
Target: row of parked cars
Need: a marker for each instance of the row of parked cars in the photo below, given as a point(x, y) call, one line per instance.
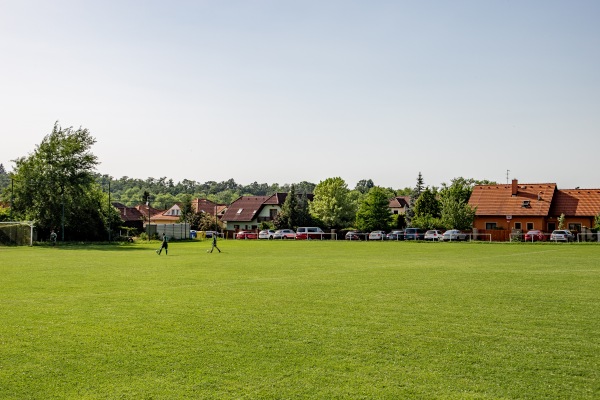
point(558, 235)
point(304, 233)
point(409, 234)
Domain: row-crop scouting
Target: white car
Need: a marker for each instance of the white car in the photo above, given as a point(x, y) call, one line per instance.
point(454, 235)
point(562, 235)
point(284, 234)
point(377, 235)
point(266, 234)
point(434, 235)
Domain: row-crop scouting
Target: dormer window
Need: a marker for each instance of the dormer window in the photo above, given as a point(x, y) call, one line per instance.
point(240, 211)
point(526, 203)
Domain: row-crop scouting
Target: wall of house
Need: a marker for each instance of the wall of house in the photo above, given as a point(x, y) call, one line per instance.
point(501, 223)
point(235, 226)
point(582, 221)
point(265, 213)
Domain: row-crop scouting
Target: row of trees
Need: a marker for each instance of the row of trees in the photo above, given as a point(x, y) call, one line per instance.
point(57, 187)
point(336, 206)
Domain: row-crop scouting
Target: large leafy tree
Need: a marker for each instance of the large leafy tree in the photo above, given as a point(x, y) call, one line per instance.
point(332, 204)
point(454, 198)
point(427, 211)
point(427, 204)
point(374, 212)
point(55, 187)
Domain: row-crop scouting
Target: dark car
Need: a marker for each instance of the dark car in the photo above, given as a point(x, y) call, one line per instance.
point(534, 235)
point(414, 234)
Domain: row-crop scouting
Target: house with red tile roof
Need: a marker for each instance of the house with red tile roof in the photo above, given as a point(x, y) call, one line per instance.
point(131, 216)
point(148, 212)
point(399, 204)
point(170, 216)
point(523, 207)
point(209, 207)
point(579, 206)
point(247, 212)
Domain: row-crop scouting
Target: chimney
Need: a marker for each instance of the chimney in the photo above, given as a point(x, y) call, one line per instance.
point(515, 187)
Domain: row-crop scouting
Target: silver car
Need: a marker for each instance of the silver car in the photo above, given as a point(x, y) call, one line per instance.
point(377, 235)
point(266, 234)
point(454, 234)
point(561, 235)
point(284, 234)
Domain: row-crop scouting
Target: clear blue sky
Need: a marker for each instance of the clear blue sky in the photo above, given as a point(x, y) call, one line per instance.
point(284, 91)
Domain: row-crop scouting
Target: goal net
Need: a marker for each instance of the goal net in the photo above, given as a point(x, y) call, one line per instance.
point(16, 233)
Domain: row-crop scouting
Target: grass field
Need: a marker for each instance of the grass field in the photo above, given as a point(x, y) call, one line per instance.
point(296, 320)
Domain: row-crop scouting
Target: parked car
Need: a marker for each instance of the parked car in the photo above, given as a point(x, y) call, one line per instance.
point(454, 234)
point(395, 235)
point(246, 235)
point(284, 234)
point(354, 235)
point(433, 235)
point(414, 234)
point(534, 235)
point(562, 235)
point(377, 235)
point(311, 232)
point(266, 234)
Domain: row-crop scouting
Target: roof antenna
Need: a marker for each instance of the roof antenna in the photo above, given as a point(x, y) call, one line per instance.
point(507, 178)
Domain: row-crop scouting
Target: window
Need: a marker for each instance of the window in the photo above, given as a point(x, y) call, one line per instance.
point(490, 225)
point(518, 225)
point(575, 227)
point(529, 226)
point(240, 211)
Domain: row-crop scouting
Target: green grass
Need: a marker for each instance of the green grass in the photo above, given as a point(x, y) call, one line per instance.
point(295, 320)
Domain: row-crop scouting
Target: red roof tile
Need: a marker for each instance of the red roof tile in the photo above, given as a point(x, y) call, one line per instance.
point(399, 202)
point(531, 199)
point(244, 208)
point(576, 203)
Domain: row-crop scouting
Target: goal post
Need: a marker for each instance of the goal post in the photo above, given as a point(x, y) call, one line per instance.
point(16, 233)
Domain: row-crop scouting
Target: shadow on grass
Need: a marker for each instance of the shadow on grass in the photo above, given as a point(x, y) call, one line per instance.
point(140, 246)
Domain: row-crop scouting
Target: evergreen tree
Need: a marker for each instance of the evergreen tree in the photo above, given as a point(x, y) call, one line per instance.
point(288, 217)
point(414, 195)
point(4, 178)
point(364, 185)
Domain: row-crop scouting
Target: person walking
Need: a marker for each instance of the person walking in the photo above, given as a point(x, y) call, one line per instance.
point(164, 245)
point(214, 242)
point(53, 238)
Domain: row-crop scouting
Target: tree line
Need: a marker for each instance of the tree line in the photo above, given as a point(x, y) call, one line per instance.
point(58, 187)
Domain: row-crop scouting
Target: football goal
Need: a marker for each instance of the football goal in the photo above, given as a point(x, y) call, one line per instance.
point(16, 233)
